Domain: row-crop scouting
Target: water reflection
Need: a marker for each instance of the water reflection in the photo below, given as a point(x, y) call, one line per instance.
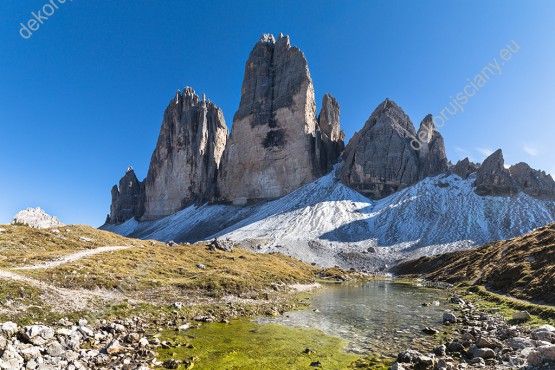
point(380, 317)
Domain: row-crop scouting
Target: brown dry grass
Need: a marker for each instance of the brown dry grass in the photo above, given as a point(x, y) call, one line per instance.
point(523, 267)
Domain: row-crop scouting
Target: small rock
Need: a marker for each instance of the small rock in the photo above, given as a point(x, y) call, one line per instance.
point(457, 300)
point(56, 350)
point(133, 337)
point(143, 343)
point(9, 329)
point(115, 348)
point(449, 317)
point(171, 243)
point(430, 331)
point(178, 305)
point(184, 327)
point(478, 361)
point(521, 315)
point(201, 266)
point(485, 353)
point(408, 357)
point(440, 350)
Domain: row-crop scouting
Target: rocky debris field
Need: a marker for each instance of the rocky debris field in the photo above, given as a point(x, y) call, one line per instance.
point(485, 341)
point(110, 345)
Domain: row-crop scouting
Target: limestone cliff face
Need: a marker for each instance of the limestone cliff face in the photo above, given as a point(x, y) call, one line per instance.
point(388, 154)
point(127, 198)
point(183, 168)
point(492, 178)
point(275, 145)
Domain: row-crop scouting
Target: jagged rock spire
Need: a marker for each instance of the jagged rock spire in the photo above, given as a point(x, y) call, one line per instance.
point(184, 165)
point(275, 145)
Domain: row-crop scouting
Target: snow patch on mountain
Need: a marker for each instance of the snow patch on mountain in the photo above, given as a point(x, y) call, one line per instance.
point(327, 223)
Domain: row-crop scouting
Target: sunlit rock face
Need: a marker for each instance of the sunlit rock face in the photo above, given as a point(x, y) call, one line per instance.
point(183, 168)
point(276, 145)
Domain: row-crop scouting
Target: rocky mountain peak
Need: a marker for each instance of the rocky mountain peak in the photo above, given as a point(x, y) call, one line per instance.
point(127, 198)
point(387, 154)
point(465, 168)
point(183, 168)
point(275, 145)
point(36, 218)
point(492, 178)
point(533, 182)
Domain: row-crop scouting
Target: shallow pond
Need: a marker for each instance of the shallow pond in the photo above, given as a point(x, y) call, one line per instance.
point(374, 319)
point(380, 317)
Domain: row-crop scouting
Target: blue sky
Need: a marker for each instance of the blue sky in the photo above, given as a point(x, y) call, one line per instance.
point(82, 98)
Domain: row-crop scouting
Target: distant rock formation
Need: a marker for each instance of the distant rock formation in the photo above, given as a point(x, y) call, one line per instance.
point(388, 154)
point(276, 145)
point(533, 182)
point(127, 198)
point(333, 138)
point(184, 165)
point(36, 218)
point(465, 168)
point(431, 154)
point(492, 178)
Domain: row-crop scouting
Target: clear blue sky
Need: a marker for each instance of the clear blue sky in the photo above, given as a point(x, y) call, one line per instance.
point(83, 97)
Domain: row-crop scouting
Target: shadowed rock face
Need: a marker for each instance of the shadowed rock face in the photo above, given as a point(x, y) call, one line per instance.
point(183, 168)
point(382, 158)
point(492, 178)
point(333, 138)
point(432, 154)
point(276, 145)
point(127, 198)
point(465, 168)
point(533, 182)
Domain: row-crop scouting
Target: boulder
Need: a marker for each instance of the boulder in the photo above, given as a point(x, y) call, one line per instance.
point(38, 334)
point(521, 315)
point(8, 329)
point(449, 317)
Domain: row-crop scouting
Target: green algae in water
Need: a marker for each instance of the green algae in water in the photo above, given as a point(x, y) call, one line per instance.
point(246, 345)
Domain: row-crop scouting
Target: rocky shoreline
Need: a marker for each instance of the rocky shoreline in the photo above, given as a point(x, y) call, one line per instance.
point(484, 340)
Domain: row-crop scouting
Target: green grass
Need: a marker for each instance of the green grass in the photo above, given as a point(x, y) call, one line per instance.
point(506, 306)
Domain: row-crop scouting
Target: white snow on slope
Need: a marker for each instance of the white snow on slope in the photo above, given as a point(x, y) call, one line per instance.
point(327, 223)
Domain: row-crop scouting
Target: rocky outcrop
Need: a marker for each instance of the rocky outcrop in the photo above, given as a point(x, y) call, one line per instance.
point(127, 199)
point(388, 154)
point(36, 218)
point(184, 165)
point(492, 178)
point(465, 168)
point(276, 145)
point(431, 149)
point(332, 137)
point(533, 182)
